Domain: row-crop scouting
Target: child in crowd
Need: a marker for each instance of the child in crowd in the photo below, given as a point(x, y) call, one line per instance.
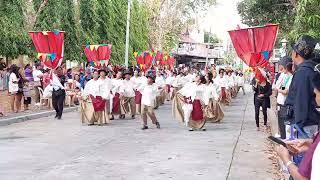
point(27, 95)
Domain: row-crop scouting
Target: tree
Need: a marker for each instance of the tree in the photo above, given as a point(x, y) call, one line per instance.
point(60, 14)
point(261, 12)
point(307, 20)
point(169, 18)
point(13, 38)
point(211, 38)
point(88, 21)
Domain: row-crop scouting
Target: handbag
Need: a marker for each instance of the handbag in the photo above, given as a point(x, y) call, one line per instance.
point(286, 113)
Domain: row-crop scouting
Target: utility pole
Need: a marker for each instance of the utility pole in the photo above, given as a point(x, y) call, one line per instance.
point(127, 35)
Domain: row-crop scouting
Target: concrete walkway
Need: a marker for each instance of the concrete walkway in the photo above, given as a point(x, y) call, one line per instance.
point(65, 150)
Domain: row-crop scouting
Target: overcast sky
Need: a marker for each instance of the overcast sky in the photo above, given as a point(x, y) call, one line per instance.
point(221, 18)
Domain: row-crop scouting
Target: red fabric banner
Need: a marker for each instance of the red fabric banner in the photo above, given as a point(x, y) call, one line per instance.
point(255, 45)
point(50, 47)
point(95, 53)
point(104, 52)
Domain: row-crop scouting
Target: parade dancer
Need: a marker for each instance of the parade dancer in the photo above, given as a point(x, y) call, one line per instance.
point(93, 103)
point(169, 88)
point(116, 83)
point(160, 83)
point(148, 102)
point(105, 86)
point(127, 96)
point(222, 85)
point(213, 110)
point(138, 81)
point(188, 104)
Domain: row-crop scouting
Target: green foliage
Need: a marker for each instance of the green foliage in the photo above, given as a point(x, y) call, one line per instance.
point(307, 20)
point(88, 21)
point(261, 12)
point(60, 14)
point(13, 38)
point(211, 38)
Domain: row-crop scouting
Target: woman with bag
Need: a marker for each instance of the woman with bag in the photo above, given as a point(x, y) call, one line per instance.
point(282, 88)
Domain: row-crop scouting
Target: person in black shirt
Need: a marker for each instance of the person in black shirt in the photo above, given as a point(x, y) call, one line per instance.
point(262, 92)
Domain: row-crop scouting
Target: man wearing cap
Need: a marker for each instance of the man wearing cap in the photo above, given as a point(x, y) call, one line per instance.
point(149, 93)
point(127, 96)
point(301, 95)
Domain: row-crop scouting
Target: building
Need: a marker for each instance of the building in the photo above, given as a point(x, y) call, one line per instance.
point(196, 52)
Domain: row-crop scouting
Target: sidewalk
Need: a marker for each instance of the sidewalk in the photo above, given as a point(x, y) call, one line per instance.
point(30, 115)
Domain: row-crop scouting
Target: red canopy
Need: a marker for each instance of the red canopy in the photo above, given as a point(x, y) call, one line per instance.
point(255, 45)
point(50, 47)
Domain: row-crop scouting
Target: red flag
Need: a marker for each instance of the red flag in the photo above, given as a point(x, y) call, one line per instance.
point(50, 47)
point(255, 45)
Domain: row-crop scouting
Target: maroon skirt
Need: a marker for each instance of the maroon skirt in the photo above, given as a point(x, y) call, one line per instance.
point(168, 88)
point(138, 97)
point(116, 104)
point(197, 112)
point(98, 103)
point(223, 93)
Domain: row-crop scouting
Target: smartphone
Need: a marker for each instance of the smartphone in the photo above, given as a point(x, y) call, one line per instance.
point(278, 141)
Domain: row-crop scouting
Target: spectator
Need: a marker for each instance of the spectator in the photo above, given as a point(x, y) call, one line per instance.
point(282, 87)
point(37, 76)
point(82, 79)
point(27, 95)
point(310, 165)
point(69, 74)
point(301, 95)
point(15, 88)
point(28, 73)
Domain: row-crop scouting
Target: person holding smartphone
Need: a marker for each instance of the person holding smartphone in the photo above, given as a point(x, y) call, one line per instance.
point(310, 164)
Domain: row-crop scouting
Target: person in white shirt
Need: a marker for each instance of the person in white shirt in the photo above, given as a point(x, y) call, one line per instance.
point(188, 104)
point(212, 108)
point(169, 85)
point(37, 76)
point(15, 94)
point(138, 82)
point(116, 83)
point(282, 87)
point(127, 96)
point(222, 88)
point(93, 102)
point(240, 82)
point(105, 86)
point(149, 92)
point(160, 82)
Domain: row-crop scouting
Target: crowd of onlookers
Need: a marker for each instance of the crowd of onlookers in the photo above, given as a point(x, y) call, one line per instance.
point(298, 100)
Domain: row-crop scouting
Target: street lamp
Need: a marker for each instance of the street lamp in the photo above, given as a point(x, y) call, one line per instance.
point(127, 35)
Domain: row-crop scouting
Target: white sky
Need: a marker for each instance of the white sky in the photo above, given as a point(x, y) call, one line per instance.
point(221, 18)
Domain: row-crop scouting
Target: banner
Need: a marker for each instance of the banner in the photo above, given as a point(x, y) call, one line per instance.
point(50, 47)
point(255, 45)
point(98, 53)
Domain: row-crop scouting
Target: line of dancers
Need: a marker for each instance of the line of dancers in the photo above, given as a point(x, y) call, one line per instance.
point(197, 96)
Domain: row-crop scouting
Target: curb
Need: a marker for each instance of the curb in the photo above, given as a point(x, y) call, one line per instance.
point(18, 119)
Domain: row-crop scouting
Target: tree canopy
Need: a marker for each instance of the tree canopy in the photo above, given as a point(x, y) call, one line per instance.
point(154, 24)
point(294, 17)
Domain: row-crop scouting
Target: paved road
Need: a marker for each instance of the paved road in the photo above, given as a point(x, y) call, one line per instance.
point(65, 150)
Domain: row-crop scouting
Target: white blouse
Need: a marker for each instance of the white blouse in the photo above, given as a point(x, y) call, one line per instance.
point(315, 173)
